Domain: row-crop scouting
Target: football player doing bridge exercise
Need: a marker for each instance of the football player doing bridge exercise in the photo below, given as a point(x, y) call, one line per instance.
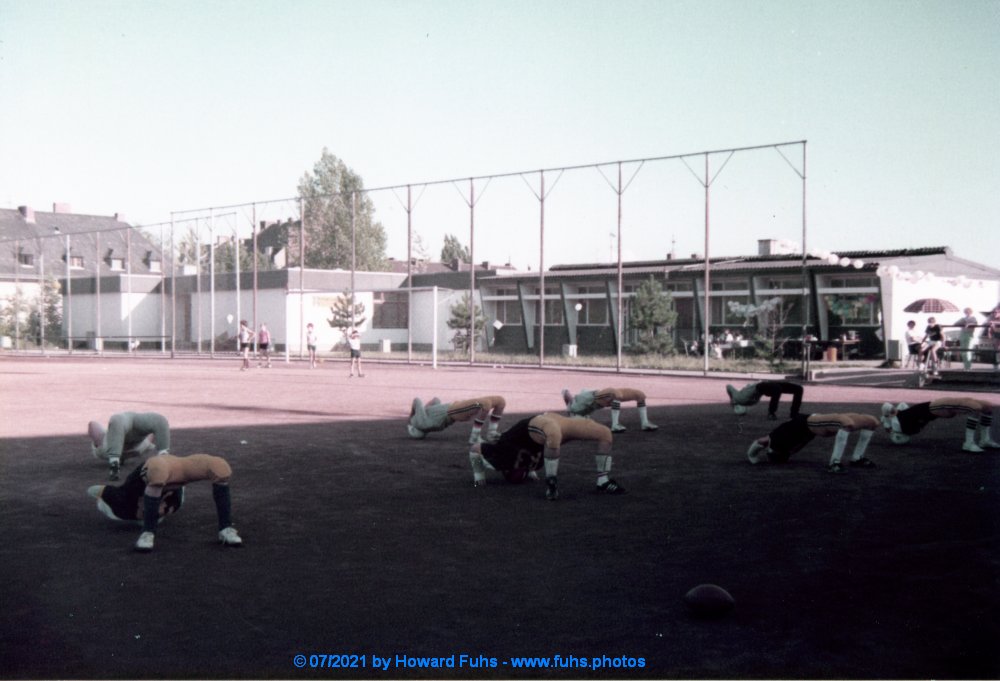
point(588, 401)
point(156, 489)
point(435, 416)
point(904, 420)
point(791, 436)
point(535, 443)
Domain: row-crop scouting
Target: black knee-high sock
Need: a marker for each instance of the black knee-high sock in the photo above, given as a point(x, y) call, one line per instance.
point(150, 512)
point(220, 493)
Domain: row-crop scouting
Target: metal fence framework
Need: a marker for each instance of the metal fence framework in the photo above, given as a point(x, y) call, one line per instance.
point(233, 220)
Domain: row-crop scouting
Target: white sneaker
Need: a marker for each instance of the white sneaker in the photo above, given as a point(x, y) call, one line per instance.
point(971, 447)
point(230, 537)
point(650, 426)
point(145, 542)
point(988, 442)
point(618, 429)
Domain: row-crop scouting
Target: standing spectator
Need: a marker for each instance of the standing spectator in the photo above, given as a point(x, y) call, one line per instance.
point(967, 336)
point(993, 334)
point(246, 339)
point(311, 344)
point(264, 345)
point(354, 342)
point(914, 340)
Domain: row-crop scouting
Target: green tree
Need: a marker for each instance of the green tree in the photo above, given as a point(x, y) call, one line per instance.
point(328, 193)
point(460, 322)
point(653, 315)
point(14, 315)
point(346, 313)
point(49, 307)
point(21, 315)
point(454, 250)
point(224, 253)
point(766, 322)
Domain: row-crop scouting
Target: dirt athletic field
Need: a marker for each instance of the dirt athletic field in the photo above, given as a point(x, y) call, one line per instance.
point(362, 542)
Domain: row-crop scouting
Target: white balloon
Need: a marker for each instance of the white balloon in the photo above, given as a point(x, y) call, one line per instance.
point(229, 319)
point(858, 264)
point(844, 262)
point(893, 270)
point(833, 259)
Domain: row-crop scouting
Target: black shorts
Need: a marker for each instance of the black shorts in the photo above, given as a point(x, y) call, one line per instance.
point(355, 354)
point(263, 346)
point(790, 437)
point(913, 419)
point(310, 347)
point(515, 451)
point(244, 346)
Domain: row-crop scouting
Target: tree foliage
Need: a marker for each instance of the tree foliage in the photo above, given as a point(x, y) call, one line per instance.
point(653, 316)
point(328, 194)
point(765, 323)
point(454, 250)
point(460, 322)
point(346, 313)
point(224, 254)
point(21, 314)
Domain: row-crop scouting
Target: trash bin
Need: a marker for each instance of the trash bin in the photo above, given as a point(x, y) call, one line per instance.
point(830, 355)
point(386, 345)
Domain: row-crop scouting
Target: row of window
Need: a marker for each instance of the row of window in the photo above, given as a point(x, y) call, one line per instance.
point(591, 307)
point(76, 262)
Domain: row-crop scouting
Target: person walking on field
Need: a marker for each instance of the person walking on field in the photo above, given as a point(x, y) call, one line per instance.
point(246, 335)
point(264, 344)
point(354, 342)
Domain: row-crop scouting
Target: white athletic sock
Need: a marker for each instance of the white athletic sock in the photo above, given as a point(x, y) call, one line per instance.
point(477, 427)
point(971, 425)
point(644, 417)
point(551, 468)
point(603, 462)
point(616, 410)
point(864, 437)
point(985, 421)
point(839, 445)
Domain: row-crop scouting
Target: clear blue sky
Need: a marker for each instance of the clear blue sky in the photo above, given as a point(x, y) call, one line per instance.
point(144, 108)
